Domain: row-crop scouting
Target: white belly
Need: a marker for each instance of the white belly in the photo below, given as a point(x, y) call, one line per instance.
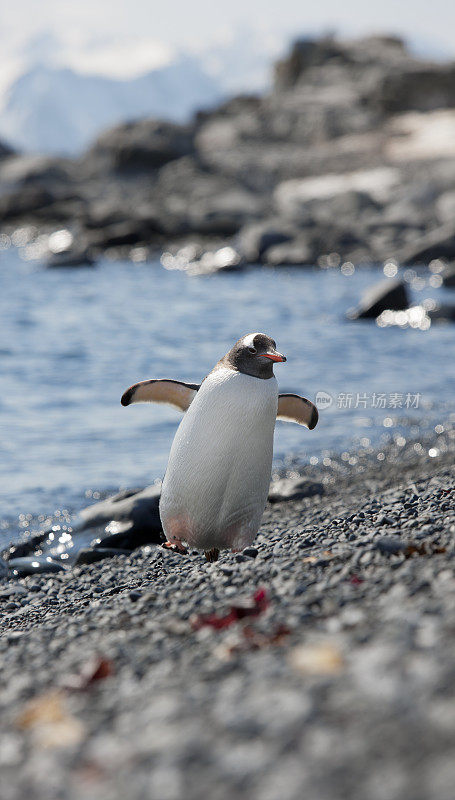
point(217, 479)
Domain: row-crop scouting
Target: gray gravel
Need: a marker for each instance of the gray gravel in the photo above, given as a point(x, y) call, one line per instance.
point(342, 688)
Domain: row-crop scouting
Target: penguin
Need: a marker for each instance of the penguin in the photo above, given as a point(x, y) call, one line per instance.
point(218, 474)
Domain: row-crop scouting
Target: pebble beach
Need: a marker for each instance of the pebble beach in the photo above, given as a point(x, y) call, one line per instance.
point(318, 663)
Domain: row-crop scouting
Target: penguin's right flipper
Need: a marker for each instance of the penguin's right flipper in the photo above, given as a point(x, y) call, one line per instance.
point(176, 393)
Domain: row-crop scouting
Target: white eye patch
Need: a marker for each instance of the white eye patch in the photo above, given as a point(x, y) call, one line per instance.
point(248, 341)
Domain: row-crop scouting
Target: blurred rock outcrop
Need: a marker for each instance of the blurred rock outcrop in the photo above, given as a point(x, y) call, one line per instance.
point(350, 154)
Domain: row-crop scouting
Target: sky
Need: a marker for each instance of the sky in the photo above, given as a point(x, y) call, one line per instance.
point(104, 30)
point(188, 23)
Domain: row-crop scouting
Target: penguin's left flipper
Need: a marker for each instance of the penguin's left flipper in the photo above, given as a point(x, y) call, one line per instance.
point(293, 408)
point(157, 390)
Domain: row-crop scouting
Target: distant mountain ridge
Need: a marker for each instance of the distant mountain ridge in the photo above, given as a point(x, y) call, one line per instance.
point(51, 109)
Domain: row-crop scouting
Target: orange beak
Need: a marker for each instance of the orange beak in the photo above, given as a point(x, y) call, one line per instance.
point(274, 356)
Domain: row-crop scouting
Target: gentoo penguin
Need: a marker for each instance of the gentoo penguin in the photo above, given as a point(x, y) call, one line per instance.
point(218, 475)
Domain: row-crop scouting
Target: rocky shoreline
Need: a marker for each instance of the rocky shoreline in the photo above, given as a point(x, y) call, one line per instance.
point(349, 157)
point(318, 663)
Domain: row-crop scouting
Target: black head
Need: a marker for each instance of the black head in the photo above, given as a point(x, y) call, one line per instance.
point(254, 355)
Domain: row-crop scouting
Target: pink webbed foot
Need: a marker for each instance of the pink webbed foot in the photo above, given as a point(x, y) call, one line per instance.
point(176, 547)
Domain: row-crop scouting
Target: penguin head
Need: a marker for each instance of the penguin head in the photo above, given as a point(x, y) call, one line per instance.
point(254, 355)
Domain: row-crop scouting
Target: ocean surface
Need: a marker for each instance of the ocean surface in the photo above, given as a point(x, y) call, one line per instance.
point(72, 340)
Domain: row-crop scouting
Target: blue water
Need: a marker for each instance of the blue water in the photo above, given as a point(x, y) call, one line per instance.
point(73, 340)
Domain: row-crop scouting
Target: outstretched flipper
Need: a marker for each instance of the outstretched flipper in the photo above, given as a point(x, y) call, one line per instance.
point(157, 390)
point(293, 408)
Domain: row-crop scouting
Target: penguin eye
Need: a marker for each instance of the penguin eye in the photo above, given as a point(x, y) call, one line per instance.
point(252, 350)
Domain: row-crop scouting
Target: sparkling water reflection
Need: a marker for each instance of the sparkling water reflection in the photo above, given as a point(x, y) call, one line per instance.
point(73, 340)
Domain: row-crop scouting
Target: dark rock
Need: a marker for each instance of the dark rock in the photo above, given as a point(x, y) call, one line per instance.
point(294, 202)
point(386, 295)
point(25, 202)
point(442, 312)
point(89, 556)
point(138, 510)
point(3, 568)
point(5, 150)
point(73, 257)
point(225, 214)
point(416, 88)
point(286, 489)
point(33, 565)
point(129, 519)
point(256, 239)
point(23, 549)
point(146, 144)
point(125, 233)
point(305, 54)
point(294, 253)
point(438, 243)
point(35, 170)
point(448, 276)
point(315, 166)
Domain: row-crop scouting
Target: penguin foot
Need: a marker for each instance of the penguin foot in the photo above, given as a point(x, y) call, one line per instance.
point(212, 555)
point(176, 547)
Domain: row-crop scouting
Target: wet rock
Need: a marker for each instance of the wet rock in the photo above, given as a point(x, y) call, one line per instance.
point(25, 548)
point(137, 511)
point(438, 243)
point(385, 295)
point(286, 489)
point(442, 312)
point(134, 231)
point(448, 276)
point(73, 257)
point(256, 239)
point(34, 565)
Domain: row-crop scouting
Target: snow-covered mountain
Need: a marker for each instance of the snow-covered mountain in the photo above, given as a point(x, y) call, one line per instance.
point(57, 109)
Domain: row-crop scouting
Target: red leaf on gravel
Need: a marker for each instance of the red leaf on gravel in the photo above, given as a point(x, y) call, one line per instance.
point(94, 670)
point(249, 608)
point(355, 580)
point(251, 639)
